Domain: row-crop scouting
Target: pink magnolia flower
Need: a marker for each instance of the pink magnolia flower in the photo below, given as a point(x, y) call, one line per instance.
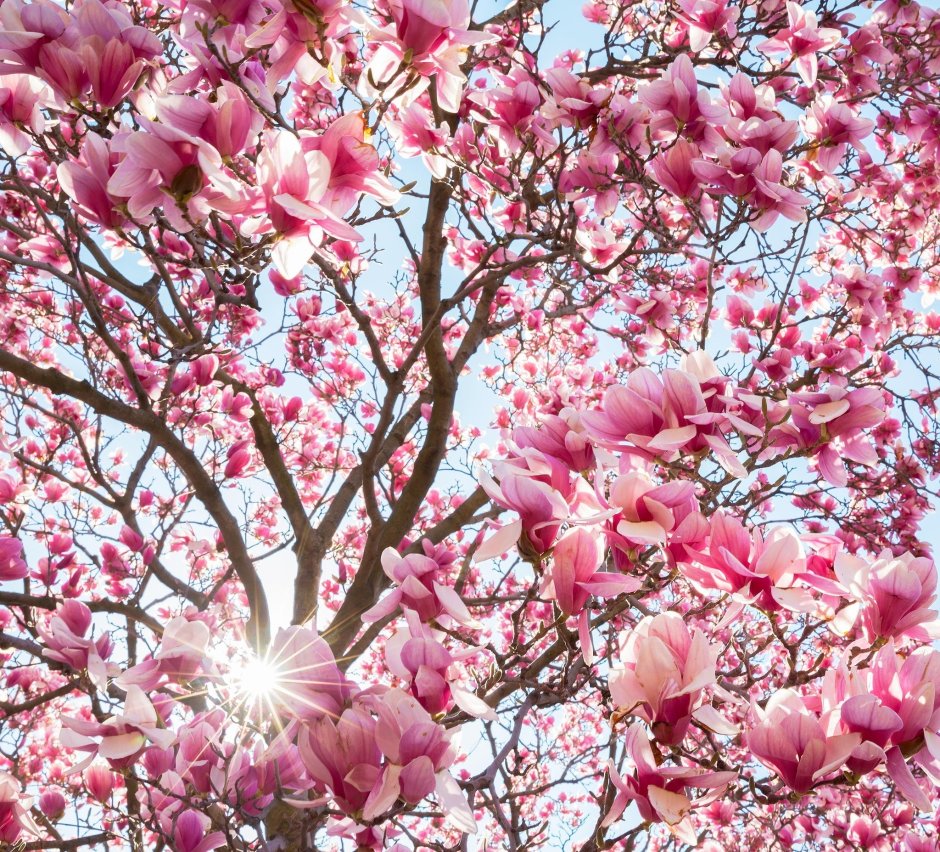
point(673, 170)
point(664, 671)
point(417, 579)
point(894, 595)
point(833, 127)
point(574, 576)
point(182, 656)
point(293, 184)
point(189, 833)
point(416, 656)
point(354, 165)
point(121, 738)
point(665, 515)
point(166, 168)
point(85, 180)
point(430, 37)
point(661, 791)
point(790, 740)
point(707, 18)
point(560, 436)
point(542, 509)
point(680, 109)
point(52, 804)
point(22, 98)
point(308, 683)
point(770, 198)
point(341, 755)
point(831, 422)
point(416, 135)
point(229, 124)
point(99, 780)
point(113, 51)
point(15, 820)
point(894, 708)
point(67, 642)
point(418, 753)
point(760, 570)
point(12, 565)
point(802, 39)
point(662, 418)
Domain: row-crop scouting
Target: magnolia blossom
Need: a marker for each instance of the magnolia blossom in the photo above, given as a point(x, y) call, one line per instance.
point(802, 39)
point(307, 682)
point(418, 588)
point(183, 654)
point(415, 655)
point(418, 753)
point(15, 820)
point(121, 738)
point(12, 565)
point(664, 671)
point(66, 642)
point(661, 791)
point(706, 19)
point(791, 740)
point(667, 515)
point(758, 569)
point(831, 423)
point(293, 183)
point(430, 38)
point(893, 596)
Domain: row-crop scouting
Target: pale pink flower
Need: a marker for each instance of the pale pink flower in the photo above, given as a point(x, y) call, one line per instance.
point(22, 98)
point(787, 737)
point(833, 126)
point(308, 683)
point(706, 19)
point(894, 595)
point(430, 37)
point(67, 642)
point(417, 578)
point(293, 183)
point(418, 753)
point(802, 39)
point(831, 423)
point(354, 165)
point(121, 738)
point(661, 792)
point(664, 671)
point(758, 569)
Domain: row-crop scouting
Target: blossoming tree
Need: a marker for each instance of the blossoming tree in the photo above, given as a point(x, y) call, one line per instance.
point(443, 425)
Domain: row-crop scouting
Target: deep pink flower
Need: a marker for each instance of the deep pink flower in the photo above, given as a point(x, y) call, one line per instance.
point(15, 820)
point(12, 565)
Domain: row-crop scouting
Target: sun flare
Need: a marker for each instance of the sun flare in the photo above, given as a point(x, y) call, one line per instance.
point(257, 678)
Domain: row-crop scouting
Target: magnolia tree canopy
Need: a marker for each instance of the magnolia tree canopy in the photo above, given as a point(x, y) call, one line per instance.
point(442, 425)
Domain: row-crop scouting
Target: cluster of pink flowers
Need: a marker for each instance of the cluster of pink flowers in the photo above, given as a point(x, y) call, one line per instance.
point(667, 672)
